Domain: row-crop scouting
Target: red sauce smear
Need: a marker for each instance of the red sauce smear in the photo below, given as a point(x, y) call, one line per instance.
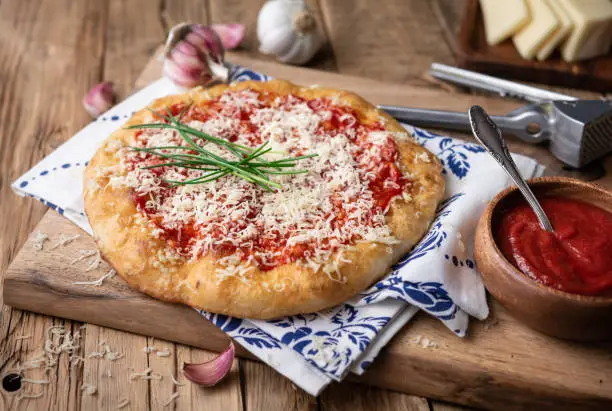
point(388, 183)
point(576, 257)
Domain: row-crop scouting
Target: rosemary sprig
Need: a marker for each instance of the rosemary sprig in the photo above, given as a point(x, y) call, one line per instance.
point(249, 164)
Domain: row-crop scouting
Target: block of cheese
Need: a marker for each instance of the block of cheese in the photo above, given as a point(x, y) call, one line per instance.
point(503, 18)
point(540, 28)
point(564, 29)
point(592, 32)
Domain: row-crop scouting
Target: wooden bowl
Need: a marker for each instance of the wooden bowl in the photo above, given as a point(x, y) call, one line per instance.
point(553, 312)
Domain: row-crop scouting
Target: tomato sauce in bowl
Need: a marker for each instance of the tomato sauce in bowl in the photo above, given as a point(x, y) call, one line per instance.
point(575, 258)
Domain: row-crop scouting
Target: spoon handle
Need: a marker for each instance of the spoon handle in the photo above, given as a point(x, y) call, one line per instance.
point(490, 136)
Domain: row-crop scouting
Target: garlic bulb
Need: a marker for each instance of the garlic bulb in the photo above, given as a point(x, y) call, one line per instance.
point(288, 30)
point(194, 53)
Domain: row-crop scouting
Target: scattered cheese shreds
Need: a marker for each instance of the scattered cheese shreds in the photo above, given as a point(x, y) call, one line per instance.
point(89, 389)
point(95, 263)
point(84, 255)
point(123, 403)
point(171, 399)
point(39, 240)
point(60, 341)
point(29, 396)
point(64, 240)
point(35, 381)
point(147, 374)
point(111, 273)
point(106, 354)
point(174, 380)
point(164, 353)
point(22, 337)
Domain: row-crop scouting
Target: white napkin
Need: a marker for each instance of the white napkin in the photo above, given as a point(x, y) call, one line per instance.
point(437, 276)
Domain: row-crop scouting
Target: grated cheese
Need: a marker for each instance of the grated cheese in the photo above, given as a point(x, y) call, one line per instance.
point(89, 389)
point(35, 381)
point(302, 219)
point(107, 353)
point(64, 240)
point(22, 337)
point(123, 403)
point(95, 263)
point(171, 399)
point(110, 274)
point(147, 374)
point(60, 341)
point(174, 380)
point(84, 255)
point(164, 353)
point(39, 241)
point(29, 396)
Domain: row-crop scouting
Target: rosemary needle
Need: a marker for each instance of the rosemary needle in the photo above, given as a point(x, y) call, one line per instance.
point(249, 164)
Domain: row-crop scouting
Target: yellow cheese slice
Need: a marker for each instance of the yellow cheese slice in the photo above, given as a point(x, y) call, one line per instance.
point(503, 18)
point(592, 33)
point(564, 29)
point(541, 27)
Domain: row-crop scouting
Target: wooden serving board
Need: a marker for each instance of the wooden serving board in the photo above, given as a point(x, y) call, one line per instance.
point(501, 365)
point(502, 60)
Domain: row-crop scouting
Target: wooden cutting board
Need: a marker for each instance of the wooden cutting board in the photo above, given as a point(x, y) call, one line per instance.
point(501, 365)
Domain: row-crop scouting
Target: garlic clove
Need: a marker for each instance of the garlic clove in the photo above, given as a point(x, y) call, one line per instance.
point(230, 34)
point(185, 66)
point(211, 372)
point(207, 41)
point(185, 77)
point(194, 56)
point(176, 34)
point(187, 56)
point(99, 99)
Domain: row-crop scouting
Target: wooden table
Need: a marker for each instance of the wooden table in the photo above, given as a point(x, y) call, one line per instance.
point(51, 52)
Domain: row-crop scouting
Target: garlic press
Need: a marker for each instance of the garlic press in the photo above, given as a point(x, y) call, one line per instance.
point(577, 131)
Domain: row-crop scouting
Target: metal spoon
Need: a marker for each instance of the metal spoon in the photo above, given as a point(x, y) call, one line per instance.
point(490, 137)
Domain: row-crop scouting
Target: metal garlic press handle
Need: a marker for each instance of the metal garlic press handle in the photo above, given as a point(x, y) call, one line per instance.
point(502, 87)
point(520, 123)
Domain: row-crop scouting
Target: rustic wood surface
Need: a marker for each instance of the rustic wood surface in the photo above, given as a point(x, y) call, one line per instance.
point(52, 52)
point(43, 281)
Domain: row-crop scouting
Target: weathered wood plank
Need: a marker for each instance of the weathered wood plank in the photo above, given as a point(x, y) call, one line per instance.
point(119, 387)
point(347, 396)
point(178, 11)
point(394, 41)
point(445, 406)
point(260, 380)
point(164, 365)
point(42, 44)
point(245, 12)
point(129, 43)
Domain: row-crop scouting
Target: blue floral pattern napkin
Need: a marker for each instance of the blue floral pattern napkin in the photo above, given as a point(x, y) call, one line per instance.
point(438, 276)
